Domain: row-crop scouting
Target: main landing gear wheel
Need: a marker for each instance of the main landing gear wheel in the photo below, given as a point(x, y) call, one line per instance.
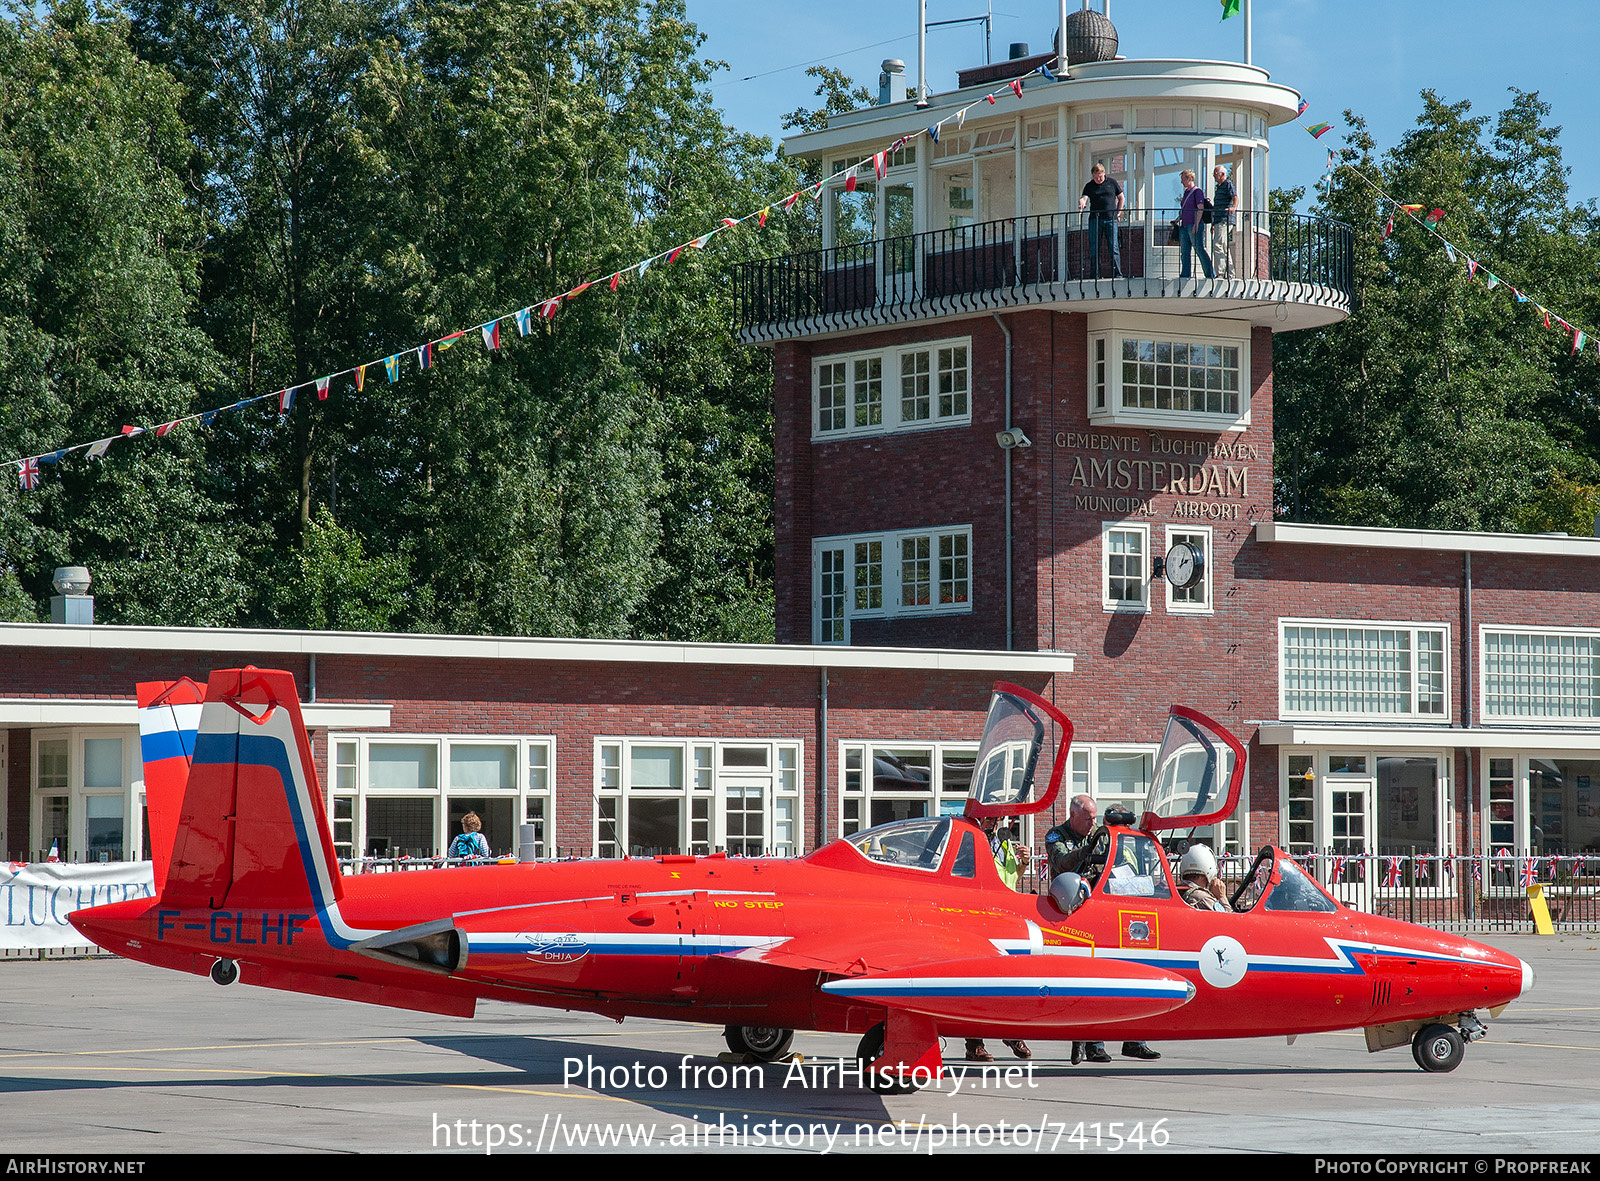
point(765, 1042)
point(1437, 1048)
point(869, 1049)
point(225, 971)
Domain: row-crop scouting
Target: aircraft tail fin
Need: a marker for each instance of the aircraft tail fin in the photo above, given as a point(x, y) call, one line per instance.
point(169, 717)
point(252, 831)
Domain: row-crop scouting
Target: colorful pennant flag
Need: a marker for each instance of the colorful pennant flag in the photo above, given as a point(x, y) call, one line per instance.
point(286, 400)
point(1472, 268)
point(391, 366)
point(548, 308)
point(644, 265)
point(1016, 87)
point(1491, 280)
point(580, 289)
point(616, 281)
point(880, 164)
point(165, 428)
point(789, 201)
point(1435, 216)
point(1451, 251)
point(1412, 208)
point(989, 98)
point(761, 218)
point(1044, 72)
point(525, 318)
point(361, 377)
point(28, 474)
point(1301, 110)
point(98, 449)
point(322, 388)
point(933, 133)
point(1578, 341)
point(1230, 8)
point(425, 356)
point(1518, 296)
point(1388, 226)
point(207, 417)
point(491, 334)
point(700, 242)
point(446, 343)
point(1318, 130)
point(850, 182)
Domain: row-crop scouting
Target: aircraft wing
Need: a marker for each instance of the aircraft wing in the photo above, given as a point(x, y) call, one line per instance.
point(1025, 989)
point(860, 957)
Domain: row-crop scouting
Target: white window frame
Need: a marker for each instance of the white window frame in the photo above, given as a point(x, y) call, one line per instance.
point(1208, 604)
point(1115, 327)
point(131, 790)
point(890, 361)
point(891, 585)
point(1516, 719)
point(363, 790)
point(705, 779)
point(1083, 778)
point(941, 801)
point(1107, 602)
point(1441, 717)
point(1326, 782)
point(1521, 845)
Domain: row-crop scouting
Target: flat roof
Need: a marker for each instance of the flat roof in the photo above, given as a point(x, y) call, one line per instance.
point(1558, 545)
point(1417, 737)
point(271, 641)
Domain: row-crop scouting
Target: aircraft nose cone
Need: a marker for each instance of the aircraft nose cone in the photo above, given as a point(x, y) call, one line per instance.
point(1527, 977)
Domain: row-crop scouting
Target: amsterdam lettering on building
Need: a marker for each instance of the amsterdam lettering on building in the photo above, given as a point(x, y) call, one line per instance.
point(1143, 467)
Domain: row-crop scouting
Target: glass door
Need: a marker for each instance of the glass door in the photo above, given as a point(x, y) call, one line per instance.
point(1348, 821)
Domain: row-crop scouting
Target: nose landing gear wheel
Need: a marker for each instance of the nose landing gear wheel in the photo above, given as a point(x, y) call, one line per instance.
point(1437, 1048)
point(225, 971)
point(767, 1043)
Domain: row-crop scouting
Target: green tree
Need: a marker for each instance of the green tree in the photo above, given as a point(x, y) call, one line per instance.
point(98, 262)
point(1441, 403)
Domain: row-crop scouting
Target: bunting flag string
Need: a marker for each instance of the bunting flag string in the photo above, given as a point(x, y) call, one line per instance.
point(1431, 222)
point(28, 467)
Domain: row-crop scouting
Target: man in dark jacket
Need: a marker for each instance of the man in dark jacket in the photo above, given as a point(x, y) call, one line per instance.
point(1222, 202)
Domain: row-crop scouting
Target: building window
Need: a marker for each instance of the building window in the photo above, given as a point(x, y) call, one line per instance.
point(404, 796)
point(1125, 567)
point(1092, 121)
point(902, 781)
point(934, 378)
point(1165, 118)
point(1236, 122)
point(696, 796)
point(1196, 599)
point(1541, 676)
point(1119, 776)
point(1363, 806)
point(885, 575)
point(1336, 669)
point(1147, 372)
point(87, 794)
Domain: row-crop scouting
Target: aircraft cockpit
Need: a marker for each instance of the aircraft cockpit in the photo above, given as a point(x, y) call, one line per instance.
point(1275, 883)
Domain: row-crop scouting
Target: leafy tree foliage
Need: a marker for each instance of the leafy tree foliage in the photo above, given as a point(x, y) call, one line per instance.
point(98, 259)
point(1441, 403)
point(361, 176)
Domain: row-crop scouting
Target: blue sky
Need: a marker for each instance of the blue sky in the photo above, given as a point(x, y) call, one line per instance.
point(1372, 57)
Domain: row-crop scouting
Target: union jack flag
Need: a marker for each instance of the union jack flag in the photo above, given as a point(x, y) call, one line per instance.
point(1529, 875)
point(1391, 871)
point(28, 474)
point(1477, 872)
point(1422, 867)
point(1337, 873)
point(1577, 867)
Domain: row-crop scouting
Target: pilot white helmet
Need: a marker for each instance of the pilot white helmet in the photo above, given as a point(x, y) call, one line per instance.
point(1200, 860)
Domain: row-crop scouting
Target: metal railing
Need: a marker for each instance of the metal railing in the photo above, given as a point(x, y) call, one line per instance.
point(1482, 893)
point(1025, 259)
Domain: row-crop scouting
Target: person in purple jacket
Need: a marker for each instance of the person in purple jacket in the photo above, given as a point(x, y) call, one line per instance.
point(1191, 233)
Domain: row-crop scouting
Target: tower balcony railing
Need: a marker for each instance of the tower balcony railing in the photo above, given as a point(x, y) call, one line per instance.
point(1264, 260)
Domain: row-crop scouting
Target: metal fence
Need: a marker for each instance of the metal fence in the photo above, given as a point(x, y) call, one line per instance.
point(1006, 262)
point(1482, 893)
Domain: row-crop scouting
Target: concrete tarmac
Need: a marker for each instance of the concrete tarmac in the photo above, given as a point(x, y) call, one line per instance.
point(108, 1056)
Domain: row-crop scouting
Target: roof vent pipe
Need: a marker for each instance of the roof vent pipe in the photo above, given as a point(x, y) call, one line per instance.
point(891, 69)
point(1019, 49)
point(71, 603)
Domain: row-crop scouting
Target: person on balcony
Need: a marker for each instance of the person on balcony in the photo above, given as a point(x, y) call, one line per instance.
point(1191, 231)
point(1102, 197)
point(1222, 200)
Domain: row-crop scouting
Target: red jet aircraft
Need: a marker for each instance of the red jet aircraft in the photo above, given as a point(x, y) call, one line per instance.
point(904, 933)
